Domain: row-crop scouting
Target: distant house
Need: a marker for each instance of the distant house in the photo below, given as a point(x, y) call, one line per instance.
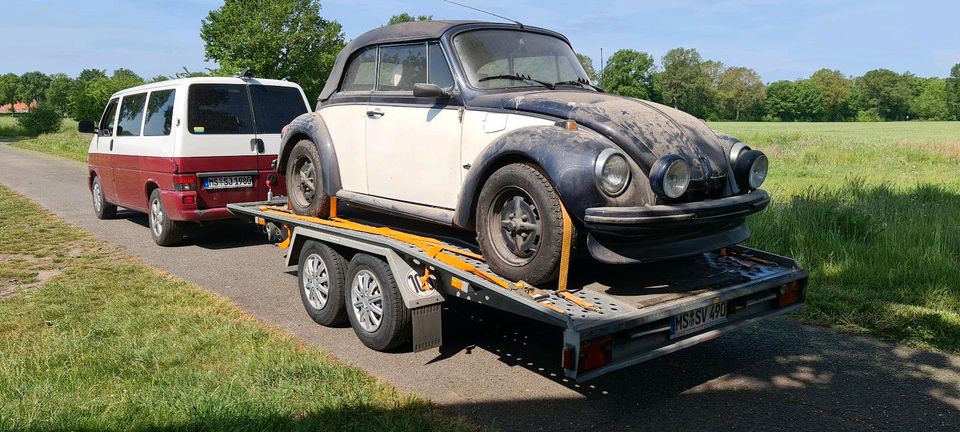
point(19, 107)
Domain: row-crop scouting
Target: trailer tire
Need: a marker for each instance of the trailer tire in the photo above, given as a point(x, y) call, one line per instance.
point(371, 286)
point(165, 232)
point(102, 208)
point(304, 181)
point(320, 265)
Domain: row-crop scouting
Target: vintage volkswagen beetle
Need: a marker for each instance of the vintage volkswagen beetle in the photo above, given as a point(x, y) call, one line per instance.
point(496, 128)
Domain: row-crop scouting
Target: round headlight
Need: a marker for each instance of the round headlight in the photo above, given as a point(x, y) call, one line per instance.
point(670, 176)
point(751, 169)
point(612, 172)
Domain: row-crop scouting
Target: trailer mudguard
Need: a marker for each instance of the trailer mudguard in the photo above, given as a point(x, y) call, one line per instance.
point(311, 126)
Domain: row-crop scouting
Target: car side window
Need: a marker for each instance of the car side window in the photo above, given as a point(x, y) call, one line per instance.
point(402, 66)
point(108, 119)
point(159, 113)
point(439, 73)
point(131, 114)
point(361, 73)
point(219, 109)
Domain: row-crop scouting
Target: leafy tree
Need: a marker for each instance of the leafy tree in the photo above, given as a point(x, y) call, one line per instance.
point(684, 82)
point(629, 73)
point(794, 101)
point(933, 101)
point(741, 89)
point(8, 88)
point(276, 39)
point(405, 17)
point(886, 92)
point(89, 98)
point(88, 75)
point(953, 92)
point(587, 63)
point(58, 93)
point(837, 93)
point(32, 86)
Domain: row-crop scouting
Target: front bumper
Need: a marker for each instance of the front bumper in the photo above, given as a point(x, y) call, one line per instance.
point(619, 219)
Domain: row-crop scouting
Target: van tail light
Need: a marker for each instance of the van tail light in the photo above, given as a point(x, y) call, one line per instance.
point(184, 183)
point(790, 293)
point(189, 199)
point(595, 353)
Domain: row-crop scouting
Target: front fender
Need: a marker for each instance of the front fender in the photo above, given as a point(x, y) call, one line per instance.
point(567, 159)
point(311, 126)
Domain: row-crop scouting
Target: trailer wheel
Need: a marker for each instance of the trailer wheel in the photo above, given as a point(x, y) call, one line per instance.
point(374, 305)
point(165, 232)
point(321, 273)
point(102, 208)
point(305, 182)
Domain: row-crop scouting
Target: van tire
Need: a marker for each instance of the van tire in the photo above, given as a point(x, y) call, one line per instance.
point(318, 264)
point(165, 232)
point(102, 208)
point(394, 327)
point(305, 181)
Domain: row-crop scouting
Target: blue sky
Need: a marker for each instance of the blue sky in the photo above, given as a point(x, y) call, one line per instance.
point(780, 39)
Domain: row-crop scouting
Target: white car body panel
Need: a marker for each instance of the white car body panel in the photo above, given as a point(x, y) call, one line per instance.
point(346, 125)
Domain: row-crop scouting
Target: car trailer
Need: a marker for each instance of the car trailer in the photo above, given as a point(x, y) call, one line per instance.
point(612, 316)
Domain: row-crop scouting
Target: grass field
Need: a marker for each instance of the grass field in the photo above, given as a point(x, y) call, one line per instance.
point(93, 339)
point(66, 143)
point(9, 127)
point(873, 211)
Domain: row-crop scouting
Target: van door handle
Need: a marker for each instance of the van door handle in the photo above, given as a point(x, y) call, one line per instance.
point(375, 113)
point(256, 144)
point(111, 144)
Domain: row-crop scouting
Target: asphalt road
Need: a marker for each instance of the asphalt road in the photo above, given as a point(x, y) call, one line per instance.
point(502, 371)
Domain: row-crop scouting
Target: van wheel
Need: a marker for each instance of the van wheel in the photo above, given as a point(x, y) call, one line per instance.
point(165, 232)
point(520, 224)
point(374, 305)
point(305, 182)
point(321, 273)
point(101, 207)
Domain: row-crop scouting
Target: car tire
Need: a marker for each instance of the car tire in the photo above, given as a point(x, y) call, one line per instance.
point(102, 208)
point(520, 224)
point(305, 181)
point(370, 283)
point(165, 232)
point(322, 274)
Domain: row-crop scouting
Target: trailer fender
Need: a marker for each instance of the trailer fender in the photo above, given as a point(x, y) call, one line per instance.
point(312, 127)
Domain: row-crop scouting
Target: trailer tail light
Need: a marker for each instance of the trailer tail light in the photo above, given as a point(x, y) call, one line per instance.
point(567, 361)
point(184, 183)
point(595, 353)
point(790, 293)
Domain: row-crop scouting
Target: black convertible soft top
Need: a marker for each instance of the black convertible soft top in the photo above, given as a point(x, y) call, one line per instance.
point(408, 31)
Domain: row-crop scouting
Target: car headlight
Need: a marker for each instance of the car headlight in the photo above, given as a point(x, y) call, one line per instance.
point(670, 176)
point(751, 169)
point(612, 172)
point(735, 150)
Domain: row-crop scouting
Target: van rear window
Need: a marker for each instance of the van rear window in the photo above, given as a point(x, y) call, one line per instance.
point(274, 107)
point(219, 109)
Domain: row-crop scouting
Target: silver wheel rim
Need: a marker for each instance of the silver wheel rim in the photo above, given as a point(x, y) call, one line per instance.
point(156, 217)
point(97, 197)
point(366, 299)
point(316, 281)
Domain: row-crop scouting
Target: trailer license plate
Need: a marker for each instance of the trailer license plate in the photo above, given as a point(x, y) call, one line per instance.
point(228, 182)
point(697, 319)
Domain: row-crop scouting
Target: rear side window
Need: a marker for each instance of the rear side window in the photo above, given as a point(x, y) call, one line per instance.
point(159, 113)
point(108, 119)
point(361, 74)
point(131, 115)
point(402, 66)
point(219, 109)
point(274, 107)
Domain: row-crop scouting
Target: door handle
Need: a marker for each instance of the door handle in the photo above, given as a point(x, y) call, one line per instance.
point(256, 144)
point(375, 113)
point(111, 144)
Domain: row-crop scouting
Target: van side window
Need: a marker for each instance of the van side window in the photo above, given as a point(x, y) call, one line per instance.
point(439, 69)
point(131, 115)
point(402, 66)
point(108, 119)
point(361, 73)
point(159, 113)
point(218, 109)
point(275, 106)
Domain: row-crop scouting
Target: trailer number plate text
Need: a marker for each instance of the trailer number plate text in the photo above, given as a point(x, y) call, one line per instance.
point(698, 319)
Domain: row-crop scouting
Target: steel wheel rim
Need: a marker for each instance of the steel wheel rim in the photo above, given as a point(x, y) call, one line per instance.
point(97, 197)
point(366, 300)
point(316, 281)
point(305, 187)
point(156, 217)
point(519, 226)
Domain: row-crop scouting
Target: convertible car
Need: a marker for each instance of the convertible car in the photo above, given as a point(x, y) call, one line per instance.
point(496, 128)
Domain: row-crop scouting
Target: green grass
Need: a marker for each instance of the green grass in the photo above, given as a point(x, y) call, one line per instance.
point(9, 127)
point(93, 339)
point(67, 142)
point(873, 211)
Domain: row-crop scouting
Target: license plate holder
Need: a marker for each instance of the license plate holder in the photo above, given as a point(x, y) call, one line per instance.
point(697, 319)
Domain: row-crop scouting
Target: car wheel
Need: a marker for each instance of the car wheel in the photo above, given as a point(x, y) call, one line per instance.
point(102, 208)
point(165, 232)
point(520, 224)
point(304, 181)
point(322, 275)
point(374, 305)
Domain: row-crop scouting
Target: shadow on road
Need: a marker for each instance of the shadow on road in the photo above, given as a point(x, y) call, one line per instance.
point(226, 234)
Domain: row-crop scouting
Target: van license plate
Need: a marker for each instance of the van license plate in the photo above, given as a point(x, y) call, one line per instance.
point(698, 319)
point(228, 182)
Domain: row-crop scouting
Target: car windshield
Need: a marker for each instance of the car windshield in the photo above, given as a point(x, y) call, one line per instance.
point(496, 59)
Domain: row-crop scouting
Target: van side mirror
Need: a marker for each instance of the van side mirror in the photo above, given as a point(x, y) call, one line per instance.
point(433, 91)
point(86, 126)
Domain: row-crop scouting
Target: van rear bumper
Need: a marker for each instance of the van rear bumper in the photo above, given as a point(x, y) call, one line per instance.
point(175, 208)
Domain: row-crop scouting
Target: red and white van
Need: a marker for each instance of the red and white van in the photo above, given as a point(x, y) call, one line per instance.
point(182, 150)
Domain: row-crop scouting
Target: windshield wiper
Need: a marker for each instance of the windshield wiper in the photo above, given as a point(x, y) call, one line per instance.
point(580, 82)
point(517, 77)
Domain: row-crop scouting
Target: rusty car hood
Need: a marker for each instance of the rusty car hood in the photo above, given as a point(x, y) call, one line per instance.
point(644, 130)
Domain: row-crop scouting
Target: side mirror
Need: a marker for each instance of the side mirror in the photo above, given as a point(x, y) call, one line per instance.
point(86, 126)
point(424, 90)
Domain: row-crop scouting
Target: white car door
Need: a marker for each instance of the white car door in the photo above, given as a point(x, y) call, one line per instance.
point(413, 144)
